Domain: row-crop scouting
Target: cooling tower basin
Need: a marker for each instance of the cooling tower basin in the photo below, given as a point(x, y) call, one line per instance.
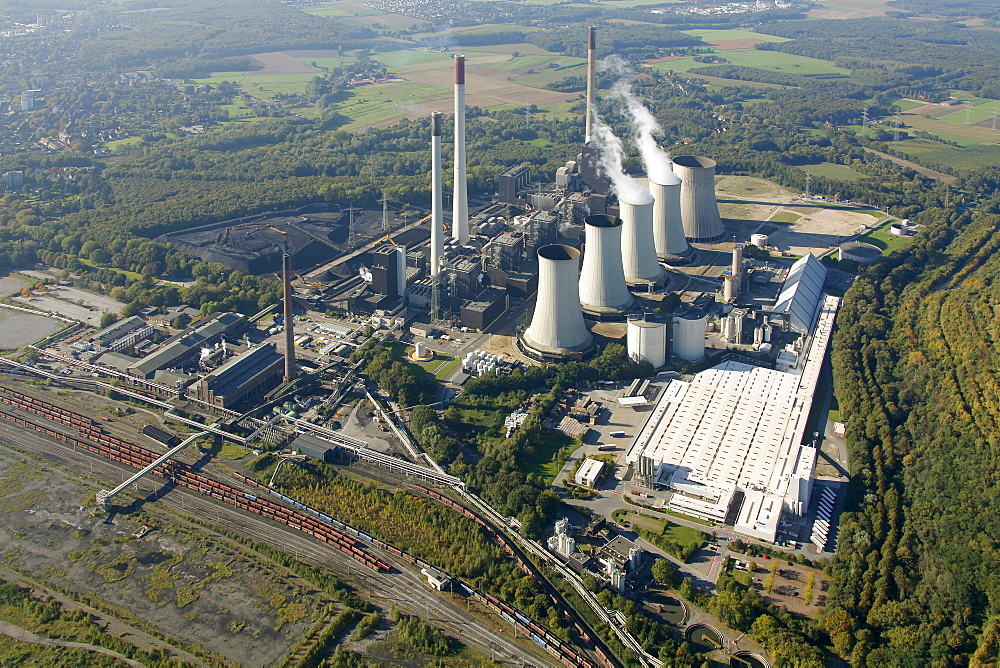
point(699, 209)
point(557, 331)
point(604, 294)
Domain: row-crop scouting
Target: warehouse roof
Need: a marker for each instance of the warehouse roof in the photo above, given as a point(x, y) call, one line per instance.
point(800, 293)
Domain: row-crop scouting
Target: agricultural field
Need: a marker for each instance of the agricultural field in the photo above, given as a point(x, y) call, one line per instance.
point(831, 170)
point(725, 37)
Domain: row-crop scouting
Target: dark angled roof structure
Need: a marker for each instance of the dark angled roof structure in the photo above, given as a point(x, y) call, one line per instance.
point(800, 293)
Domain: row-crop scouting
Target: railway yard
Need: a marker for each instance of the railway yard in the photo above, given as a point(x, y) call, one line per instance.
point(142, 556)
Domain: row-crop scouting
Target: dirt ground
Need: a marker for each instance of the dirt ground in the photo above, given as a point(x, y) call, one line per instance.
point(486, 86)
point(191, 586)
point(19, 329)
point(789, 587)
point(818, 229)
point(63, 300)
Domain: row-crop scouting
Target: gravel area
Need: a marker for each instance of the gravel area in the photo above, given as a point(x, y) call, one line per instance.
point(19, 329)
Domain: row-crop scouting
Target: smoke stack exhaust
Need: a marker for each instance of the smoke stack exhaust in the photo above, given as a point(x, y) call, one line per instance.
point(591, 79)
point(460, 203)
point(603, 292)
point(286, 280)
point(668, 230)
point(557, 331)
point(699, 210)
point(437, 217)
point(638, 251)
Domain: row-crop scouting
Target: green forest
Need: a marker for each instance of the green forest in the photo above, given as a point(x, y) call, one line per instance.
point(915, 362)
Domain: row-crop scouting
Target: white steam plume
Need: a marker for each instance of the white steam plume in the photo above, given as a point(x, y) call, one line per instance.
point(610, 157)
point(645, 127)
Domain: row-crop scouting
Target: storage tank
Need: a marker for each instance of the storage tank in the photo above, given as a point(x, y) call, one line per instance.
point(730, 289)
point(603, 293)
point(758, 240)
point(699, 209)
point(638, 250)
point(557, 331)
point(647, 341)
point(689, 335)
point(860, 252)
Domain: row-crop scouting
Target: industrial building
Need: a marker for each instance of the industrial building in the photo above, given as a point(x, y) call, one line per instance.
point(729, 444)
point(800, 293)
point(243, 378)
point(481, 312)
point(589, 472)
point(122, 336)
point(186, 346)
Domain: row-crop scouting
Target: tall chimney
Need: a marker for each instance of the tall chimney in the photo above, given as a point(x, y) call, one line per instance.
point(557, 331)
point(603, 292)
point(638, 251)
point(460, 204)
point(591, 79)
point(437, 220)
point(737, 260)
point(668, 230)
point(699, 210)
point(286, 280)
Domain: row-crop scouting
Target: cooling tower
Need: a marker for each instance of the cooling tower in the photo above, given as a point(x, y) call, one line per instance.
point(557, 331)
point(603, 292)
point(668, 230)
point(699, 210)
point(460, 202)
point(638, 251)
point(437, 219)
point(591, 79)
point(286, 281)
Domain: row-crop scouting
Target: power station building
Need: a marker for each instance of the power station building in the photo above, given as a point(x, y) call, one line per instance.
point(247, 376)
point(730, 444)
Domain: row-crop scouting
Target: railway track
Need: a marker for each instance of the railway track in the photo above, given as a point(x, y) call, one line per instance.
point(394, 583)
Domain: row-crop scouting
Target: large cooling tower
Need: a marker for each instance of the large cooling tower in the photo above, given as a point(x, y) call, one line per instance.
point(638, 251)
point(668, 230)
point(437, 219)
point(603, 292)
point(460, 202)
point(699, 210)
point(557, 331)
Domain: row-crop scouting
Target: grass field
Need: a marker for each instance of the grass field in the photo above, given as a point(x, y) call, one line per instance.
point(341, 8)
point(887, 242)
point(548, 446)
point(965, 135)
point(784, 217)
point(833, 171)
point(776, 61)
point(537, 62)
point(373, 104)
point(969, 157)
point(122, 143)
point(906, 105)
point(726, 35)
point(264, 86)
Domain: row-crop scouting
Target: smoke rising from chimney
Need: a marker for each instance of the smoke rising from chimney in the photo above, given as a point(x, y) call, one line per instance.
point(610, 155)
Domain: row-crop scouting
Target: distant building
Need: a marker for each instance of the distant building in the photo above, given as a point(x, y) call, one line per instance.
point(511, 181)
point(12, 180)
point(247, 376)
point(28, 99)
point(186, 346)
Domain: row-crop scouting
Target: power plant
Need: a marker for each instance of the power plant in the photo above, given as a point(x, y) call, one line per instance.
point(603, 292)
point(437, 218)
point(460, 202)
point(638, 251)
point(557, 331)
point(699, 209)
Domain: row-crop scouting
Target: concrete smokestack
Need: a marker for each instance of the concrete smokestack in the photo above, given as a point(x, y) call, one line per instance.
point(591, 79)
point(699, 210)
point(638, 251)
point(603, 292)
point(286, 280)
point(400, 256)
point(557, 331)
point(437, 217)
point(668, 230)
point(737, 270)
point(460, 204)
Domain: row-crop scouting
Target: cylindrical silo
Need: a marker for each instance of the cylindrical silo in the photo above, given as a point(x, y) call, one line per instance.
point(638, 252)
point(730, 289)
point(758, 240)
point(737, 268)
point(668, 230)
point(557, 331)
point(689, 335)
point(647, 341)
point(603, 292)
point(699, 210)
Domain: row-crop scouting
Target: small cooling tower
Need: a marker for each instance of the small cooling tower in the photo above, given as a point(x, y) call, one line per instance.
point(699, 210)
point(603, 292)
point(557, 331)
point(638, 252)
